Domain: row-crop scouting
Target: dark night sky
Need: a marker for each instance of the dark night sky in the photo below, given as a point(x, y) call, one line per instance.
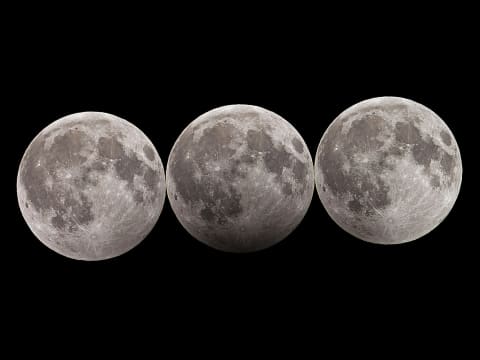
point(161, 76)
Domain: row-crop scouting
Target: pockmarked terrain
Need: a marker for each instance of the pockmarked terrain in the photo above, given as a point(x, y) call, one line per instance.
point(240, 178)
point(388, 170)
point(91, 186)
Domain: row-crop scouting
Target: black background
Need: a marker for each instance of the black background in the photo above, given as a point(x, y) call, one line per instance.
point(160, 69)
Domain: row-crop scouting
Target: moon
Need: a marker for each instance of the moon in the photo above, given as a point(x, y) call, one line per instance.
point(91, 186)
point(240, 178)
point(388, 170)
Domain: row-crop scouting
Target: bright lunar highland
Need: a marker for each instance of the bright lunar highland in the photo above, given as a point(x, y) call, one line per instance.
point(240, 178)
point(388, 170)
point(91, 186)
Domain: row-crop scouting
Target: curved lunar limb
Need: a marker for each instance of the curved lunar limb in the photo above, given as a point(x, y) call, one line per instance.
point(388, 170)
point(240, 178)
point(91, 186)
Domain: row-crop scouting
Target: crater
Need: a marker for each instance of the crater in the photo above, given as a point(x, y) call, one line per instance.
point(446, 138)
point(297, 144)
point(149, 153)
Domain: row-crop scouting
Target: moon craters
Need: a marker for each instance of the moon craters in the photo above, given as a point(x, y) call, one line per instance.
point(239, 178)
point(388, 170)
point(91, 186)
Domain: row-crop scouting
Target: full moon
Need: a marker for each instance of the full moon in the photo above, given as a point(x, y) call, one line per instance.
point(91, 186)
point(240, 178)
point(388, 170)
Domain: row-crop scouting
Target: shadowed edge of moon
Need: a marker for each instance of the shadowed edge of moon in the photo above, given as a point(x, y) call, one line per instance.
point(220, 199)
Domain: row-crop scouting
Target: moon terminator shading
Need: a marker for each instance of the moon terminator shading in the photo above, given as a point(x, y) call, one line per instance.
point(240, 178)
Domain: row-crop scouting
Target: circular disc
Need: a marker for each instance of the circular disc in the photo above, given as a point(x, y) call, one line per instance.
point(388, 170)
point(91, 186)
point(240, 178)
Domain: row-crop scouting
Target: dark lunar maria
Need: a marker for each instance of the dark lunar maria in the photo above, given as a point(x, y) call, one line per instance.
point(91, 186)
point(240, 178)
point(388, 170)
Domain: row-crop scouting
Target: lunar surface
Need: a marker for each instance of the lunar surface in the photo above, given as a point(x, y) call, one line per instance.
point(240, 178)
point(388, 170)
point(91, 186)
